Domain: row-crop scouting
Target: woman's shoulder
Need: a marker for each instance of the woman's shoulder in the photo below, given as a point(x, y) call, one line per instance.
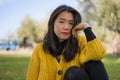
point(38, 49)
point(38, 46)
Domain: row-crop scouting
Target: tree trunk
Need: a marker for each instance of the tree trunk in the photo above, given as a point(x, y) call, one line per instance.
point(117, 45)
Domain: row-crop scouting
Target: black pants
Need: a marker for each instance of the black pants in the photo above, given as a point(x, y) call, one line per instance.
point(93, 70)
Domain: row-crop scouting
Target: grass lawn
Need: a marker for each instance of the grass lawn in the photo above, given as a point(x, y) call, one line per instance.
point(112, 65)
point(14, 67)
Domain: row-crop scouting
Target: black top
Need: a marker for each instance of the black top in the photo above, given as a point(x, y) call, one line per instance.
point(89, 34)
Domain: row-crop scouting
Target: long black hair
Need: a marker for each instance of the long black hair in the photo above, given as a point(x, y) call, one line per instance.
point(50, 41)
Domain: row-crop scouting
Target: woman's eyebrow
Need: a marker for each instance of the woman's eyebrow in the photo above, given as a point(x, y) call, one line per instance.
point(61, 18)
point(65, 19)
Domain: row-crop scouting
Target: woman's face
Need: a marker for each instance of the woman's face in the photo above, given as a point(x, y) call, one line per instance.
point(63, 25)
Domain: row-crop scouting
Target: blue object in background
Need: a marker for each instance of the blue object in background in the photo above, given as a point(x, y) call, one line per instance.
point(8, 45)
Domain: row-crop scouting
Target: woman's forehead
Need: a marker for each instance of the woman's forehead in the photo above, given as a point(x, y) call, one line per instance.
point(65, 15)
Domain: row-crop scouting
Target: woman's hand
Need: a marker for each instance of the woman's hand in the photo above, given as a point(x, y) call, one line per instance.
point(80, 26)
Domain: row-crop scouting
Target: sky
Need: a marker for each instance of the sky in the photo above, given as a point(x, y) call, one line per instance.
point(12, 12)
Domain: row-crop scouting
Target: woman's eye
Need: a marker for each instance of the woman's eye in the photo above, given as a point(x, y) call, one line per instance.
point(71, 23)
point(61, 21)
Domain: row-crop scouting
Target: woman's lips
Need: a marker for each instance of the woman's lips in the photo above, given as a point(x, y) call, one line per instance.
point(65, 33)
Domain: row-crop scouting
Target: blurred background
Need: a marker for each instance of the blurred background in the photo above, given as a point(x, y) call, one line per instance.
point(23, 23)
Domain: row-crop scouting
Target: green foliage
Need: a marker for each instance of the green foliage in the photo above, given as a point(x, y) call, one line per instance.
point(30, 29)
point(104, 15)
point(104, 34)
point(109, 17)
point(27, 29)
point(88, 11)
point(41, 29)
point(103, 12)
point(109, 13)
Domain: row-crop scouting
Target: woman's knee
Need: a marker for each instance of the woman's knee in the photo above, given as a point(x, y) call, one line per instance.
point(96, 70)
point(75, 73)
point(93, 64)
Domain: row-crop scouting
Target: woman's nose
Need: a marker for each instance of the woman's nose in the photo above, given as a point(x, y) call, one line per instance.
point(66, 26)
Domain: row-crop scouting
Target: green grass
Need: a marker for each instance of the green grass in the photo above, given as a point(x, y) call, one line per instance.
point(112, 64)
point(14, 67)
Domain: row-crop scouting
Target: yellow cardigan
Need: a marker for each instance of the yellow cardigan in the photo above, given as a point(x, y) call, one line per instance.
point(43, 66)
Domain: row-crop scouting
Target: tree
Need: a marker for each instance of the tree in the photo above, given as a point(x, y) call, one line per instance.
point(27, 29)
point(109, 16)
point(88, 10)
point(107, 13)
point(41, 30)
point(34, 32)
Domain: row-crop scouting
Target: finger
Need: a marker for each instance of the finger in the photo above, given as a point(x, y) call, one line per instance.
point(73, 33)
point(78, 27)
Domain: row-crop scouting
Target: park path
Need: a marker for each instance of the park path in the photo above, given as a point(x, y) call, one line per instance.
point(20, 51)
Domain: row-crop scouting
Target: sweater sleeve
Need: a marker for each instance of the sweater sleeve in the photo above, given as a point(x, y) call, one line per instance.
point(92, 50)
point(89, 34)
point(33, 69)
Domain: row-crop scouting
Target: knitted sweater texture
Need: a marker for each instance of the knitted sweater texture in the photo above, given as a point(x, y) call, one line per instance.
point(43, 66)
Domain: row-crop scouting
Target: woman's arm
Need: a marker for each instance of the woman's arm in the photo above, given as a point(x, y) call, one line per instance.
point(91, 47)
point(91, 50)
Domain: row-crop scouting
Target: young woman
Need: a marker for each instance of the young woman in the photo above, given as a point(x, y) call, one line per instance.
point(62, 49)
